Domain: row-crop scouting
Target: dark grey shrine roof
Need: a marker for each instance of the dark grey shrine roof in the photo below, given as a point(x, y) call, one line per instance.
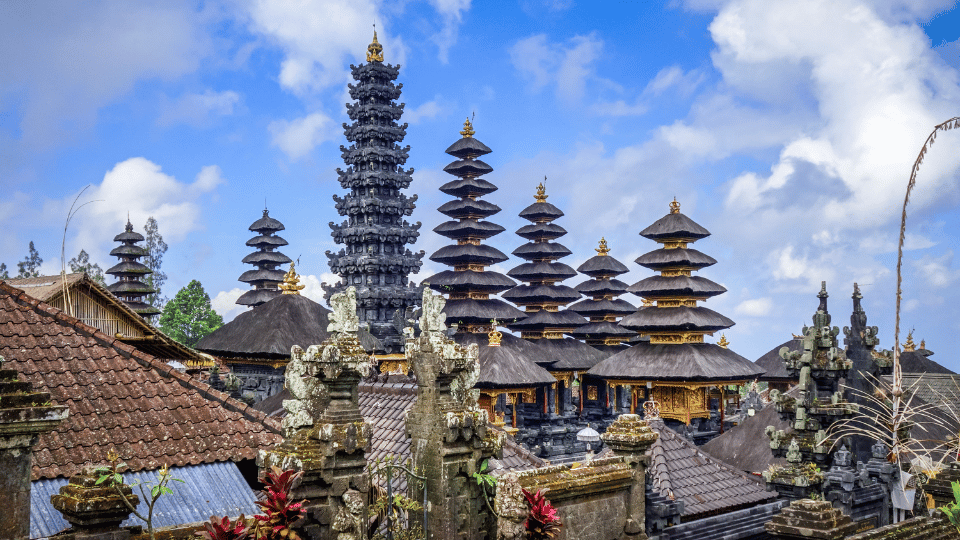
point(470, 311)
point(463, 229)
point(470, 280)
point(539, 270)
point(266, 257)
point(511, 365)
point(674, 226)
point(468, 147)
point(465, 187)
point(468, 167)
point(697, 286)
point(541, 231)
point(613, 306)
point(534, 294)
point(596, 287)
point(681, 318)
point(543, 320)
point(568, 354)
point(666, 258)
point(547, 250)
point(773, 365)
point(700, 362)
point(541, 211)
point(266, 224)
point(602, 265)
point(461, 208)
point(266, 241)
point(468, 253)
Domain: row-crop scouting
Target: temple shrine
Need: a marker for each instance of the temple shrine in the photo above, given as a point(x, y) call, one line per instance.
point(130, 271)
point(266, 277)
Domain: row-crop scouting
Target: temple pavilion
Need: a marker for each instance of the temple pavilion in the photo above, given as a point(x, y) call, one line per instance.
point(676, 368)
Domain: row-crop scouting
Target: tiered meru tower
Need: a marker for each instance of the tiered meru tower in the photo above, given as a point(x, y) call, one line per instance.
point(682, 372)
point(130, 271)
point(603, 308)
point(375, 260)
point(266, 277)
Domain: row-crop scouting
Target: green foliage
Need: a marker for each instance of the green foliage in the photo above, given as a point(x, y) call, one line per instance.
point(30, 265)
point(486, 480)
point(392, 514)
point(3, 271)
point(952, 510)
point(81, 263)
point(155, 248)
point(189, 317)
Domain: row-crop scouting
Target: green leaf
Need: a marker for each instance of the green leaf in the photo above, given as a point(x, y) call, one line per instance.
point(178, 480)
point(956, 491)
point(101, 480)
point(483, 465)
point(118, 478)
point(155, 492)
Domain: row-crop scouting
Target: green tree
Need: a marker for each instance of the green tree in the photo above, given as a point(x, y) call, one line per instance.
point(81, 263)
point(3, 271)
point(189, 316)
point(30, 265)
point(155, 248)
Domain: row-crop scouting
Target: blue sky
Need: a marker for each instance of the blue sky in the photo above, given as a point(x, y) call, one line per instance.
point(787, 129)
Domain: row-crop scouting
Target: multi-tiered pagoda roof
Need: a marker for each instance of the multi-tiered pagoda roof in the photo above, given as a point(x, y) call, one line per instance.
point(266, 277)
point(603, 308)
point(130, 272)
point(376, 261)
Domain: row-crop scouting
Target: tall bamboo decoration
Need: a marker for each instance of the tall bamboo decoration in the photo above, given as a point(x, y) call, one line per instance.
point(897, 389)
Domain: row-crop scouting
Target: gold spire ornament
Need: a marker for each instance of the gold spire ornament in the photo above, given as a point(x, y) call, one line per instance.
point(374, 50)
point(603, 250)
point(494, 337)
point(467, 130)
point(723, 341)
point(909, 346)
point(541, 195)
point(291, 282)
point(674, 206)
point(923, 345)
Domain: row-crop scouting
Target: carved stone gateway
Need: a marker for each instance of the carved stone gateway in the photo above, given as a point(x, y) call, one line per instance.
point(448, 431)
point(325, 435)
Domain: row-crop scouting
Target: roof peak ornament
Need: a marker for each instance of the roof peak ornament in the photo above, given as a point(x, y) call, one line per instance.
point(467, 130)
point(374, 50)
point(674, 206)
point(603, 250)
point(909, 346)
point(723, 342)
point(291, 282)
point(541, 195)
point(494, 336)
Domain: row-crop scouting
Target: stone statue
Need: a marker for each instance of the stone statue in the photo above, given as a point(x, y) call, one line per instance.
point(842, 457)
point(433, 319)
point(511, 507)
point(348, 523)
point(344, 318)
point(793, 452)
point(309, 393)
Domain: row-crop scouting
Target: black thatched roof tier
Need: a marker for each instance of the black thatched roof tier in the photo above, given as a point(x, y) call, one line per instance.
point(605, 306)
point(468, 168)
point(468, 148)
point(450, 281)
point(601, 287)
point(255, 297)
point(674, 226)
point(536, 271)
point(660, 259)
point(597, 331)
point(602, 266)
point(536, 294)
point(686, 286)
point(268, 257)
point(511, 365)
point(480, 312)
point(129, 272)
point(694, 362)
point(128, 236)
point(271, 329)
point(773, 366)
point(264, 241)
point(468, 254)
point(142, 308)
point(541, 231)
point(468, 209)
point(540, 212)
point(545, 251)
point(468, 229)
point(661, 319)
point(468, 187)
point(266, 224)
point(262, 274)
point(125, 249)
point(129, 267)
point(568, 354)
point(545, 320)
point(918, 361)
point(133, 286)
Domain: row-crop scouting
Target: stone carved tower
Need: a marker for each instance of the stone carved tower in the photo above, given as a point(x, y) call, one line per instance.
point(325, 436)
point(376, 260)
point(449, 435)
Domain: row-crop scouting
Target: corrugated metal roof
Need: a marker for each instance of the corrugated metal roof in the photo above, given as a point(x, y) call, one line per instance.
point(208, 489)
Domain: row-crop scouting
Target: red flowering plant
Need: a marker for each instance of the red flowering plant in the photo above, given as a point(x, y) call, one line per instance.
point(543, 522)
point(225, 530)
point(279, 513)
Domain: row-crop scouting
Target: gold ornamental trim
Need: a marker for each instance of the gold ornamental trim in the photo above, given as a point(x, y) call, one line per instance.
point(675, 272)
point(374, 50)
point(465, 267)
point(677, 302)
point(470, 241)
point(674, 206)
point(467, 131)
point(603, 250)
point(675, 339)
point(675, 243)
point(541, 195)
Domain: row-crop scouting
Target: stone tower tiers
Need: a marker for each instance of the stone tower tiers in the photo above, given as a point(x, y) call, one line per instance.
point(375, 259)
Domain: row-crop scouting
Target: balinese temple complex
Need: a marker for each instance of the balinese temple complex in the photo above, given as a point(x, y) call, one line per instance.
point(130, 272)
point(375, 259)
point(266, 277)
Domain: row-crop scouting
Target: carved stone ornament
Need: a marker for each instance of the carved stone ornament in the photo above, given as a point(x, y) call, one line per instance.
point(511, 507)
point(348, 523)
point(344, 318)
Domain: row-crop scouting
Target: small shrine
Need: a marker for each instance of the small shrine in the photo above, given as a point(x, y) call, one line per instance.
point(130, 272)
point(266, 276)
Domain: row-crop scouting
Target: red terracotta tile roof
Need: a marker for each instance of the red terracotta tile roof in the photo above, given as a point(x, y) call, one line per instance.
point(119, 397)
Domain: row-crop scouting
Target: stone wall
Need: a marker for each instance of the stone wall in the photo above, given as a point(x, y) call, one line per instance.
point(920, 528)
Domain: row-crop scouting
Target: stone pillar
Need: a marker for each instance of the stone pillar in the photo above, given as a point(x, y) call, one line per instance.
point(94, 512)
point(940, 488)
point(325, 436)
point(807, 518)
point(24, 415)
point(630, 437)
point(448, 430)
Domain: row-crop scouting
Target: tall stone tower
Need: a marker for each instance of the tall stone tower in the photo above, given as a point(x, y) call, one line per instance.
point(130, 271)
point(376, 260)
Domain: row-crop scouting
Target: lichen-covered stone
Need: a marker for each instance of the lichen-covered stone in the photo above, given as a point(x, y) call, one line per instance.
point(810, 519)
point(89, 507)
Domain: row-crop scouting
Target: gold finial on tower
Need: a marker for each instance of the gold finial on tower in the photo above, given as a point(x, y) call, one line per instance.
point(541, 195)
point(291, 282)
point(674, 206)
point(494, 336)
point(374, 50)
point(467, 130)
point(909, 346)
point(723, 341)
point(923, 345)
point(603, 250)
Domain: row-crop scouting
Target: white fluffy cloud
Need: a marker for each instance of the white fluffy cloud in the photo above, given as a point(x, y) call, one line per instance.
point(225, 303)
point(756, 307)
point(298, 137)
point(565, 66)
point(426, 111)
point(198, 109)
